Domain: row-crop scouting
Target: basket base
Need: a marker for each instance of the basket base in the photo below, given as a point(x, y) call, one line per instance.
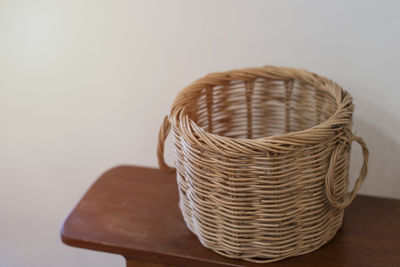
point(246, 256)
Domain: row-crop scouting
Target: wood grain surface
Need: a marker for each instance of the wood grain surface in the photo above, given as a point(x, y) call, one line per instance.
point(133, 211)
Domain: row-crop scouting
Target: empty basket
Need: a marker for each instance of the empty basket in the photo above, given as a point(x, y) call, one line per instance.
point(262, 159)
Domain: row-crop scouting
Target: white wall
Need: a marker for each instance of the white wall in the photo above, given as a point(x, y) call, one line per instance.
point(84, 86)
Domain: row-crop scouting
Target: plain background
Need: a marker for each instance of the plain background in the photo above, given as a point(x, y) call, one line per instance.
point(84, 86)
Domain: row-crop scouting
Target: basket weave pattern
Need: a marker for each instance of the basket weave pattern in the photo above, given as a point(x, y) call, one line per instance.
point(262, 159)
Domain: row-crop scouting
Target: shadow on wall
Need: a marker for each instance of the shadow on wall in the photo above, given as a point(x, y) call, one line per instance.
point(384, 158)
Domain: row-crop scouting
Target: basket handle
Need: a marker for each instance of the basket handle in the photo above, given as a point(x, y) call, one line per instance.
point(329, 178)
point(162, 135)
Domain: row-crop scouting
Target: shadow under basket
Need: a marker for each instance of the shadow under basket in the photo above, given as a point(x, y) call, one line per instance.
point(262, 159)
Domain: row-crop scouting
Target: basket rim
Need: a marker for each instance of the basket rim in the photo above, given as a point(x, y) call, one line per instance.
point(321, 131)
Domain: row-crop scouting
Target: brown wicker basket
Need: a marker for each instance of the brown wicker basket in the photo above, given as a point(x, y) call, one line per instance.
point(262, 159)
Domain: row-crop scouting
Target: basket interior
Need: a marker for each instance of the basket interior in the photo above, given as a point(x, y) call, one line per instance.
point(262, 108)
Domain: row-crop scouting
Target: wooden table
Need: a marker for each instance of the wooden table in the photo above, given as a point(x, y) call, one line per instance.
point(133, 211)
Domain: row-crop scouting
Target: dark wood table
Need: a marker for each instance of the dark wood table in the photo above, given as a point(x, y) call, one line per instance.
point(133, 211)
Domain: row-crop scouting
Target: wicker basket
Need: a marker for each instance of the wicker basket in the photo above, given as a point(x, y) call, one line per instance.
point(262, 159)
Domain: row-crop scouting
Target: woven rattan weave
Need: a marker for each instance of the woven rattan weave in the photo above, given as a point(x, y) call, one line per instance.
point(262, 159)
